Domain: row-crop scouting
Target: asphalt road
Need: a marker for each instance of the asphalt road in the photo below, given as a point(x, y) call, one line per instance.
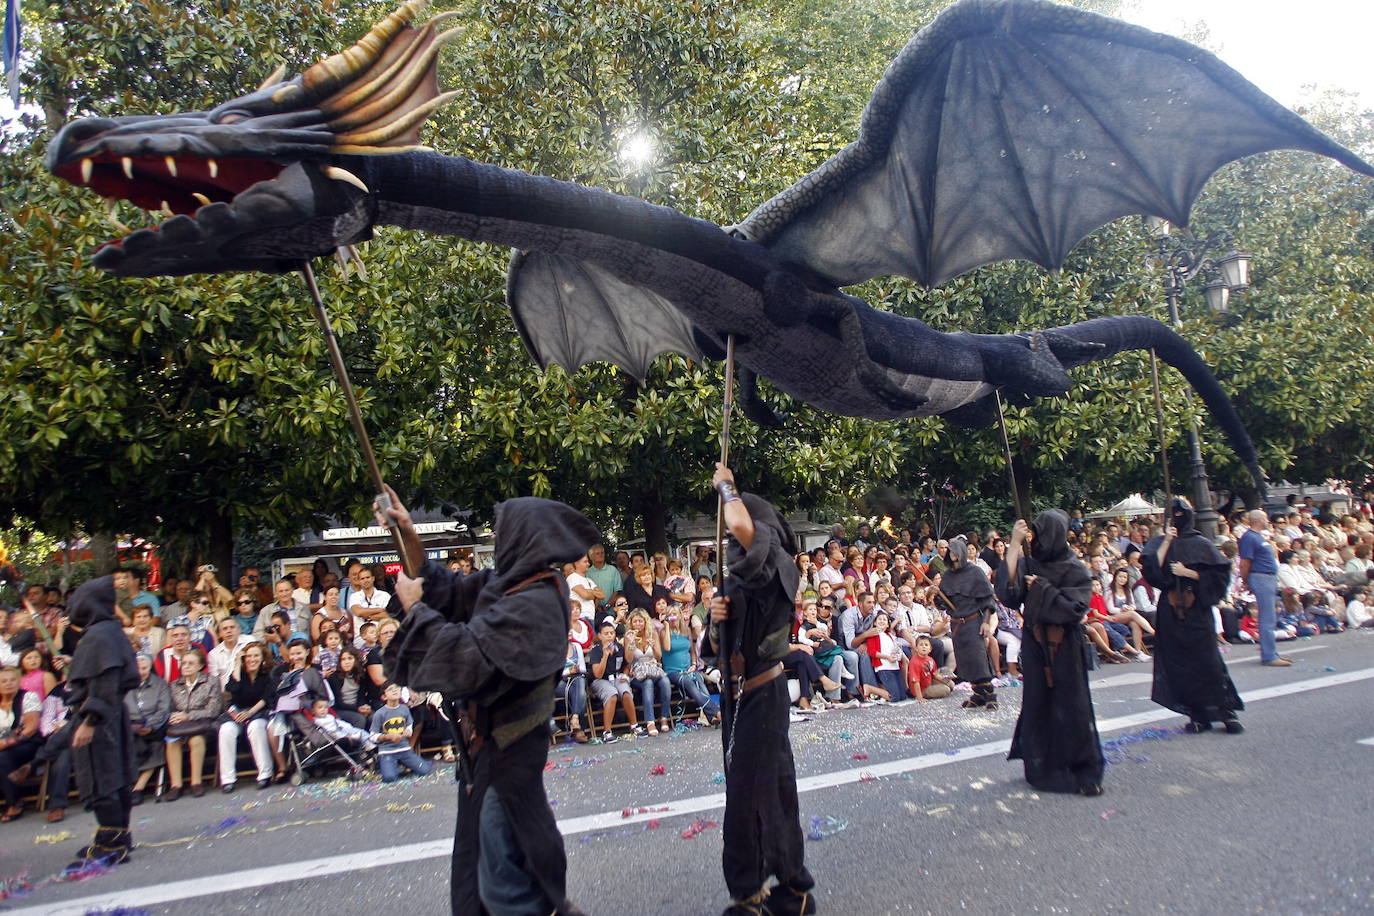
point(911, 809)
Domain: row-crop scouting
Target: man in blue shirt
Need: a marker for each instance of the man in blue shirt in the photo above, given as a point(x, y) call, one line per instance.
point(1259, 569)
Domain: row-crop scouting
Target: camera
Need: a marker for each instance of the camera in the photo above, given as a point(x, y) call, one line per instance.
point(207, 568)
point(273, 628)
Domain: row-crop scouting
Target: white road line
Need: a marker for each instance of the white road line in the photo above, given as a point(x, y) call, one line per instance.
point(1124, 680)
point(1369, 741)
point(1284, 649)
point(333, 865)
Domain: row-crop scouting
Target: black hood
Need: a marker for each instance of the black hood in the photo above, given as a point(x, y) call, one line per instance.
point(533, 534)
point(1181, 515)
point(1051, 531)
point(763, 513)
point(92, 602)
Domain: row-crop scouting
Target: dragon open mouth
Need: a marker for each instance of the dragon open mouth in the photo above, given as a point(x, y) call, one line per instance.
point(171, 185)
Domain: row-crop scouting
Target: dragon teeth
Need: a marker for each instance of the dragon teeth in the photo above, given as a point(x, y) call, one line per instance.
point(166, 209)
point(171, 166)
point(87, 168)
point(344, 175)
point(114, 220)
point(128, 167)
point(213, 166)
point(205, 201)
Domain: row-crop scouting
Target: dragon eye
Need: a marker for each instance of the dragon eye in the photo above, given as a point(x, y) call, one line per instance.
point(232, 117)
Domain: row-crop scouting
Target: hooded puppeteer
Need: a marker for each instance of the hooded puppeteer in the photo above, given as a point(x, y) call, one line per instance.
point(102, 670)
point(1056, 731)
point(493, 642)
point(762, 834)
point(1190, 676)
point(970, 603)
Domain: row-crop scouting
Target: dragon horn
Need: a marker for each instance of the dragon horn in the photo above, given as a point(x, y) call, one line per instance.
point(332, 72)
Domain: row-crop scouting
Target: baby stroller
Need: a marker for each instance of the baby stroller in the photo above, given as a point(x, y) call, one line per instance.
point(310, 747)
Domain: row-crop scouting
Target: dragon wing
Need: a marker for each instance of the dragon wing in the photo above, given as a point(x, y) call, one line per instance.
point(1012, 129)
point(572, 312)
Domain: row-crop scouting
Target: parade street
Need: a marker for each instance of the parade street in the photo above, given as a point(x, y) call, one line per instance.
point(910, 809)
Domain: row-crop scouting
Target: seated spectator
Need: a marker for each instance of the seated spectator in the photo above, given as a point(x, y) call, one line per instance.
point(145, 636)
point(580, 629)
point(706, 590)
point(250, 692)
point(1358, 612)
point(298, 686)
point(197, 702)
point(572, 685)
point(886, 657)
point(611, 681)
point(355, 696)
point(148, 705)
point(1009, 624)
point(684, 665)
point(1099, 620)
point(167, 663)
point(55, 754)
point(1121, 609)
point(19, 737)
point(35, 674)
point(830, 658)
point(924, 679)
point(391, 730)
point(644, 645)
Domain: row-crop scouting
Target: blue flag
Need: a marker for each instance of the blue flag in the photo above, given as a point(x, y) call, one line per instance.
point(11, 48)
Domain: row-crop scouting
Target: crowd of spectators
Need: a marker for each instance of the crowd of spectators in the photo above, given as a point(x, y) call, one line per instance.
point(232, 672)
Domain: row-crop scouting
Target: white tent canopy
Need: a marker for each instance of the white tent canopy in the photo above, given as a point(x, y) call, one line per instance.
point(1130, 507)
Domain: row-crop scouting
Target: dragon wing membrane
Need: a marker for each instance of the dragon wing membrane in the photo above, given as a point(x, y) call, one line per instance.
point(1012, 129)
point(572, 312)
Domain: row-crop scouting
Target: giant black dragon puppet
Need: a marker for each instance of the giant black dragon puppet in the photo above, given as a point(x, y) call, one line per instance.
point(1005, 129)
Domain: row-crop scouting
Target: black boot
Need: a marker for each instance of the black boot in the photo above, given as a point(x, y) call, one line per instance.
point(1233, 726)
point(111, 846)
point(752, 906)
point(1197, 726)
point(784, 900)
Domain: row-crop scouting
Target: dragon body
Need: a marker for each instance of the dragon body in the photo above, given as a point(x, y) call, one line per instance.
point(1006, 129)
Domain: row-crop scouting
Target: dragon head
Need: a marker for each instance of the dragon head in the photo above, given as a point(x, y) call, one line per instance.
point(259, 182)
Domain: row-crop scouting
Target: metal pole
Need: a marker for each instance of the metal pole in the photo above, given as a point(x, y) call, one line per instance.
point(355, 415)
point(1159, 424)
point(728, 406)
point(1202, 494)
point(1022, 508)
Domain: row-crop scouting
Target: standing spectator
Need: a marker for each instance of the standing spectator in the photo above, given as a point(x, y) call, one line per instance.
point(298, 614)
point(642, 590)
point(681, 591)
point(19, 738)
point(607, 577)
point(307, 591)
point(367, 602)
point(332, 613)
point(588, 595)
point(250, 692)
point(224, 657)
point(147, 705)
point(180, 604)
point(207, 583)
point(130, 591)
point(197, 701)
point(704, 563)
point(1259, 568)
point(203, 621)
point(391, 731)
point(251, 577)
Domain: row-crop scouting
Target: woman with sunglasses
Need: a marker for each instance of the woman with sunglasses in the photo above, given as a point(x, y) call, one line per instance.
point(245, 612)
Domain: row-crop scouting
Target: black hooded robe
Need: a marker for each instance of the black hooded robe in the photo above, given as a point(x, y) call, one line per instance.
point(102, 670)
point(493, 642)
point(968, 589)
point(1056, 730)
point(762, 833)
point(1190, 676)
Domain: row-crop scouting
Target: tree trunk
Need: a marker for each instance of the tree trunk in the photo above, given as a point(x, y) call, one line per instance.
point(104, 552)
point(655, 519)
point(221, 551)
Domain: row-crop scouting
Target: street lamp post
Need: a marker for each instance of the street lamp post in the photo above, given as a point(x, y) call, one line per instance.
point(1183, 260)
